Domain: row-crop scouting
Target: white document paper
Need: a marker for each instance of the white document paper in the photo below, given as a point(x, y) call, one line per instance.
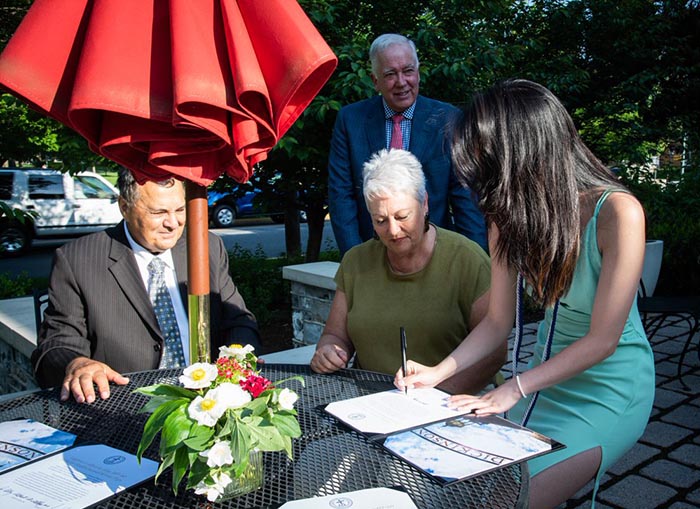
point(390, 411)
point(27, 440)
point(374, 498)
point(72, 479)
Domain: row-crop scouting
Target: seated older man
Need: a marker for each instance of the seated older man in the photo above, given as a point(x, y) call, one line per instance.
point(413, 274)
point(118, 298)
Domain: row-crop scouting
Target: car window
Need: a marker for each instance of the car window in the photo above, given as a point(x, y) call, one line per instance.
point(91, 187)
point(6, 186)
point(46, 187)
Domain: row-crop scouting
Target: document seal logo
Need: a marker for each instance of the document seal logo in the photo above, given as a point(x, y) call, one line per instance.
point(336, 503)
point(114, 460)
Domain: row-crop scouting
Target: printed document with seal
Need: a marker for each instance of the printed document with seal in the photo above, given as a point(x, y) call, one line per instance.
point(373, 498)
point(77, 477)
point(390, 411)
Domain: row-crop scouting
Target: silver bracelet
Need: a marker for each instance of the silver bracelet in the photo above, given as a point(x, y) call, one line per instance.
point(520, 387)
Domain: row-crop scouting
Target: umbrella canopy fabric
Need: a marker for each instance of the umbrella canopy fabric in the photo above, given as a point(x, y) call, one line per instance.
point(170, 87)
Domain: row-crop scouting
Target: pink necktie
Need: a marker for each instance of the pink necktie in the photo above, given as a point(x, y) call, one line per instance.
point(396, 134)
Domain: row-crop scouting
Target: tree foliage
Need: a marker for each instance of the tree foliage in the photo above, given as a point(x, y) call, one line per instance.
point(627, 70)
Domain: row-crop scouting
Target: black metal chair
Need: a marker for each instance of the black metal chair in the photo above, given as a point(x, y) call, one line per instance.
point(41, 300)
point(656, 310)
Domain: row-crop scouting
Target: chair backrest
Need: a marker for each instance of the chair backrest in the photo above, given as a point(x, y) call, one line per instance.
point(41, 300)
point(653, 256)
point(642, 290)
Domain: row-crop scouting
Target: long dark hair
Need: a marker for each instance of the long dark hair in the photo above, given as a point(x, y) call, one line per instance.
point(516, 146)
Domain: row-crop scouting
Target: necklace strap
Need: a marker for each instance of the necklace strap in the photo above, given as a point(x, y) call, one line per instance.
point(517, 343)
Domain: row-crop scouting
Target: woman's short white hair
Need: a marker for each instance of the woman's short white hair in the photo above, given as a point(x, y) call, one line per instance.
point(389, 172)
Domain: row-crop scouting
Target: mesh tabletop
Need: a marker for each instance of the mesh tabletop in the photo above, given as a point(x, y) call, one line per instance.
point(328, 458)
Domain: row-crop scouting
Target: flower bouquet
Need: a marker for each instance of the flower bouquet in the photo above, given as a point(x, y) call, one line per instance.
point(217, 424)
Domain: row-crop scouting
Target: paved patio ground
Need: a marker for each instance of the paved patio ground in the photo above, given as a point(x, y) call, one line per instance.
point(663, 469)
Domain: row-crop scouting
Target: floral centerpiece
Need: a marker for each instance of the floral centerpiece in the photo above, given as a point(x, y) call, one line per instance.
point(217, 424)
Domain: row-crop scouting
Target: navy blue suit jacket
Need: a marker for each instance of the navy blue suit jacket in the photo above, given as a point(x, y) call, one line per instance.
point(359, 132)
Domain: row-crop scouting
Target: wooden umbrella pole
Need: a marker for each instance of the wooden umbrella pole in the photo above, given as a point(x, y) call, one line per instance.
point(198, 272)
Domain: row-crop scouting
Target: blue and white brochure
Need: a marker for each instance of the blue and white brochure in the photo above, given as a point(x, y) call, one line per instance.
point(27, 440)
point(465, 446)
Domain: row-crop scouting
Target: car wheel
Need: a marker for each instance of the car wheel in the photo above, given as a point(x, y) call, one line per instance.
point(14, 240)
point(224, 215)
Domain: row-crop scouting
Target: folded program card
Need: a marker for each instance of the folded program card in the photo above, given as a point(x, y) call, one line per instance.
point(390, 411)
point(26, 440)
point(373, 498)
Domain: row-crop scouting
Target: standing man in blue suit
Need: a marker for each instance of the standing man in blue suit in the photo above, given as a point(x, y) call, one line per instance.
point(364, 127)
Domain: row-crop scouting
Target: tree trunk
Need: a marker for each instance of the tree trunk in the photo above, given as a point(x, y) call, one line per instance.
point(292, 230)
point(315, 218)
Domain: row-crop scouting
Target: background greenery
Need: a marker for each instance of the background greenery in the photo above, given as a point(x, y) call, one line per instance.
point(627, 70)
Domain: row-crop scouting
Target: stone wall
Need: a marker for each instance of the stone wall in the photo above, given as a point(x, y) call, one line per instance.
point(312, 290)
point(17, 369)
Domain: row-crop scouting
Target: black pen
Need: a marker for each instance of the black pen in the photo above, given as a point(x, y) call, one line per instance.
point(403, 356)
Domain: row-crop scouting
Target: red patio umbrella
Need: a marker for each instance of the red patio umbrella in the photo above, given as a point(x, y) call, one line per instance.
point(171, 87)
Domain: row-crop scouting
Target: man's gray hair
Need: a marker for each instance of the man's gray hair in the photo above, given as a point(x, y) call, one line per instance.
point(389, 172)
point(129, 188)
point(382, 42)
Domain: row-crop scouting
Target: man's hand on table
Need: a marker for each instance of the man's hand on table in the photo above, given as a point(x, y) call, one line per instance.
point(82, 374)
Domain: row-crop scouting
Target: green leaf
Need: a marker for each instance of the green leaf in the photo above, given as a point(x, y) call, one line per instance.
point(259, 405)
point(198, 471)
point(176, 429)
point(179, 467)
point(153, 404)
point(267, 437)
point(167, 391)
point(200, 437)
point(240, 440)
point(155, 423)
point(286, 424)
point(165, 464)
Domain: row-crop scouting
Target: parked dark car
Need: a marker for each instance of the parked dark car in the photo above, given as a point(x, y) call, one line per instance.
point(226, 206)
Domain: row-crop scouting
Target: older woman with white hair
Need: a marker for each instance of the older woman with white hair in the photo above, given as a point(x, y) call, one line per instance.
point(432, 282)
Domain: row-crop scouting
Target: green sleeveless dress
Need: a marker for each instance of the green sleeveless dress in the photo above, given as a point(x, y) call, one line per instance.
point(607, 405)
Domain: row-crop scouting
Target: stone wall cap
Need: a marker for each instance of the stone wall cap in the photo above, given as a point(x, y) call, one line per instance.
point(318, 274)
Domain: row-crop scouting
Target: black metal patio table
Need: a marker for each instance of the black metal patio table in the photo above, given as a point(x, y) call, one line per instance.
point(329, 458)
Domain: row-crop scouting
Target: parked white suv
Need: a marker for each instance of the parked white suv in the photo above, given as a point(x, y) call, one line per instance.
point(65, 206)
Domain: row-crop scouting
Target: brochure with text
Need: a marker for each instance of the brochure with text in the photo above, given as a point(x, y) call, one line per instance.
point(26, 440)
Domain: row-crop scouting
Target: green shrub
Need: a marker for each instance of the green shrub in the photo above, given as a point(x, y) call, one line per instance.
point(673, 215)
point(259, 279)
point(20, 285)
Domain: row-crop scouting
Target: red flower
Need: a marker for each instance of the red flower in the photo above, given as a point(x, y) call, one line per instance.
point(255, 384)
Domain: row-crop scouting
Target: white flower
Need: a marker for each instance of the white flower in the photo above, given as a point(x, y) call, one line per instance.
point(214, 491)
point(236, 351)
point(218, 455)
point(199, 375)
point(208, 409)
point(287, 399)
